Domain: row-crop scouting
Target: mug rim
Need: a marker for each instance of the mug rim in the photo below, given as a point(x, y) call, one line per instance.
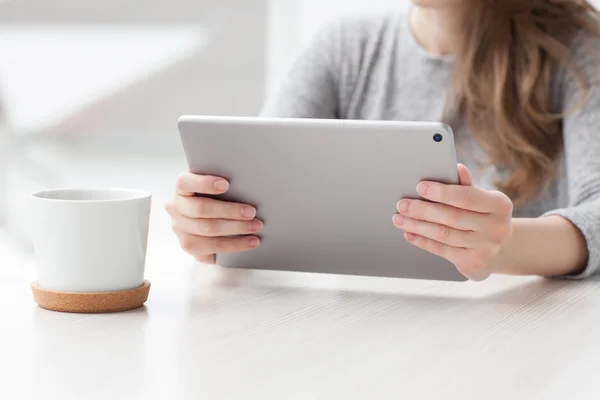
point(128, 194)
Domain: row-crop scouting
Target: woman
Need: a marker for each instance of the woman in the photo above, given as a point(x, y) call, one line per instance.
point(516, 80)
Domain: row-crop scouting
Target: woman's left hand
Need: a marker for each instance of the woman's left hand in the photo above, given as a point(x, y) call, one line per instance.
point(465, 224)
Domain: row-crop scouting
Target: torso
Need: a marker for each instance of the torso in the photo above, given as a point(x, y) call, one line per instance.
point(382, 85)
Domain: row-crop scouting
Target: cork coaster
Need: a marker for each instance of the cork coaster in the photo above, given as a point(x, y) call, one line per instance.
point(101, 302)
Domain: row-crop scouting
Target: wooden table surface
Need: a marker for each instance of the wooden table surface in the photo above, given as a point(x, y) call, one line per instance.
point(207, 333)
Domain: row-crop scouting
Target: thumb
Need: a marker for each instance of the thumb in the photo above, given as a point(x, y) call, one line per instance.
point(464, 176)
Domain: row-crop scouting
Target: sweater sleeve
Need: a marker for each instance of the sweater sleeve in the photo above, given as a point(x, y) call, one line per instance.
point(308, 88)
point(581, 134)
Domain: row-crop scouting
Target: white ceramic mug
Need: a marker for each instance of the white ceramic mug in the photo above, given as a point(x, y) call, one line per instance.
point(90, 240)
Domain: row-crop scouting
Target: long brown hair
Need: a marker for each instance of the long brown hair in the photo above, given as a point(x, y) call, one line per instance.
point(502, 84)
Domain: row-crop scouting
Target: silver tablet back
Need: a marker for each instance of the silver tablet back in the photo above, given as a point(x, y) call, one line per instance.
point(326, 189)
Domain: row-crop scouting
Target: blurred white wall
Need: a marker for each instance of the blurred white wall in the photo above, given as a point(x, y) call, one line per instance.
point(292, 22)
point(105, 73)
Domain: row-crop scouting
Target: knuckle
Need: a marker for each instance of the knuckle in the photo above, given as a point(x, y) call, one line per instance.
point(187, 243)
point(506, 204)
point(181, 181)
point(454, 216)
point(209, 228)
point(470, 198)
point(175, 226)
point(170, 207)
point(444, 233)
point(221, 244)
point(440, 248)
point(200, 206)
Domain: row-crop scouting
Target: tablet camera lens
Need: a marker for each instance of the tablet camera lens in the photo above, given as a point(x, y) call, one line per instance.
point(438, 138)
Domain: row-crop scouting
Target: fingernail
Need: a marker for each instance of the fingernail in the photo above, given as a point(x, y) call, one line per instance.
point(399, 219)
point(221, 185)
point(253, 242)
point(404, 206)
point(423, 188)
point(255, 225)
point(248, 212)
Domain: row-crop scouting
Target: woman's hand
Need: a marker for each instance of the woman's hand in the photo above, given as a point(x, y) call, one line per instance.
point(206, 226)
point(465, 224)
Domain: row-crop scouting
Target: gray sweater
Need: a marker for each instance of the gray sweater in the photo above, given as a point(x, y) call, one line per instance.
point(370, 67)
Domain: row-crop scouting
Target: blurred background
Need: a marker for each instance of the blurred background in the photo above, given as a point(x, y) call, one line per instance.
point(90, 91)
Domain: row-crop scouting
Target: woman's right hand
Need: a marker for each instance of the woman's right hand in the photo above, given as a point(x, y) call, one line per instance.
point(206, 226)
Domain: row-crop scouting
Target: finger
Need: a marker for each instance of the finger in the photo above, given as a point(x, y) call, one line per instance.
point(439, 249)
point(443, 214)
point(204, 207)
point(188, 184)
point(439, 233)
point(188, 244)
point(203, 248)
point(470, 198)
point(464, 176)
point(216, 227)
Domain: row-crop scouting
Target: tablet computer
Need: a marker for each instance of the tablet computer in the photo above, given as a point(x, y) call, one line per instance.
point(326, 190)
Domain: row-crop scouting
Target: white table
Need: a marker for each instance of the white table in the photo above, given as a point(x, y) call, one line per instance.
point(205, 334)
